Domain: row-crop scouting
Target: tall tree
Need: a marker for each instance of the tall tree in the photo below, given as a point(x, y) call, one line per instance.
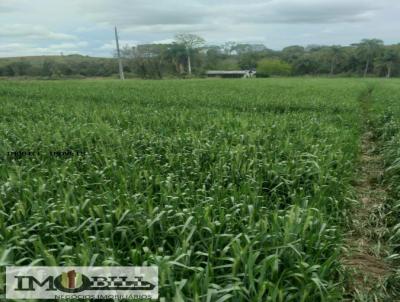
point(213, 55)
point(292, 53)
point(177, 54)
point(390, 56)
point(191, 43)
point(146, 60)
point(368, 50)
point(335, 53)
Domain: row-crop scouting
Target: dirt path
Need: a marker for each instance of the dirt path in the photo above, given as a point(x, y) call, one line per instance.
point(366, 249)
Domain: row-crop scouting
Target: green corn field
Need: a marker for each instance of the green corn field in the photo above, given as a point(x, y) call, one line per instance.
point(238, 190)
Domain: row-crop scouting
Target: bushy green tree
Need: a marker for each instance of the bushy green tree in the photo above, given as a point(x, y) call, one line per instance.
point(273, 67)
point(368, 50)
point(389, 58)
point(191, 43)
point(228, 64)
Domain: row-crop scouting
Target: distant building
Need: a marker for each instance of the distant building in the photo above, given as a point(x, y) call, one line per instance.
point(231, 73)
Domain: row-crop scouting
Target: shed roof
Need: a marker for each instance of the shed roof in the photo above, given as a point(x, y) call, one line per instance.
point(242, 72)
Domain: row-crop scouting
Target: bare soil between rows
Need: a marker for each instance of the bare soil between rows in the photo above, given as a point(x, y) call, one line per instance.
point(364, 257)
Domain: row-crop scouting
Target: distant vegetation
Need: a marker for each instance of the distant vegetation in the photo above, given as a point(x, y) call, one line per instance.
point(190, 56)
point(57, 66)
point(270, 67)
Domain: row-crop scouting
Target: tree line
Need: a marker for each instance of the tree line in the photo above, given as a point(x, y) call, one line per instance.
point(57, 67)
point(189, 55)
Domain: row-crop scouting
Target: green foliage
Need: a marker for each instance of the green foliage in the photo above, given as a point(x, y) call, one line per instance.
point(268, 67)
point(227, 64)
point(156, 61)
point(237, 190)
point(58, 66)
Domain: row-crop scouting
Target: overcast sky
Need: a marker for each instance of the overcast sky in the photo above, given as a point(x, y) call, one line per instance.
point(41, 27)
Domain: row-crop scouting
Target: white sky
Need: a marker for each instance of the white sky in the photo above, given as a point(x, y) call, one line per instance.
point(40, 27)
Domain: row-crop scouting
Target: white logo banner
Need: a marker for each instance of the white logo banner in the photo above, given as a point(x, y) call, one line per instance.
point(81, 282)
